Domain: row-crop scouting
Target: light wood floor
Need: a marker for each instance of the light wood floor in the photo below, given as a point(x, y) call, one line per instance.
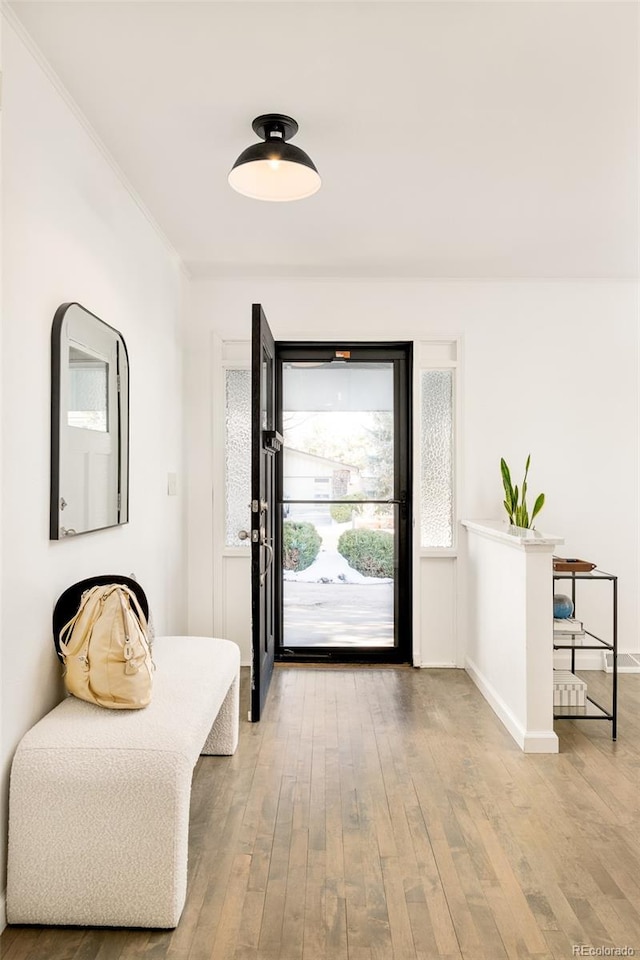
point(385, 814)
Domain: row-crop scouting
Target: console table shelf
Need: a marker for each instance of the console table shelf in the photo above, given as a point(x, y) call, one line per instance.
point(589, 641)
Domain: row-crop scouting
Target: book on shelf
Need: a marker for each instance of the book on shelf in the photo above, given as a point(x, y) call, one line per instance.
point(567, 625)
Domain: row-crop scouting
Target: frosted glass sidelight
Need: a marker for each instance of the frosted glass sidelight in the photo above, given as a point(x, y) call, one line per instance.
point(238, 456)
point(436, 459)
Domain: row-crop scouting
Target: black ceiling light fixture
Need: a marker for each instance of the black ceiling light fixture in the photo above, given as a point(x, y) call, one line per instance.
point(275, 169)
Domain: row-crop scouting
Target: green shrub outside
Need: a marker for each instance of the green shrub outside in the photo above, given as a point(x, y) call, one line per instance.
point(343, 512)
point(300, 544)
point(370, 552)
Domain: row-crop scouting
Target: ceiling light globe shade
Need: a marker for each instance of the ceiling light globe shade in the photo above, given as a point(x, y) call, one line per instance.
point(274, 171)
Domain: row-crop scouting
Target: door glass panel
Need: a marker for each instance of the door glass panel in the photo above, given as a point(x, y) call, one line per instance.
point(338, 587)
point(237, 459)
point(436, 459)
point(88, 385)
point(339, 558)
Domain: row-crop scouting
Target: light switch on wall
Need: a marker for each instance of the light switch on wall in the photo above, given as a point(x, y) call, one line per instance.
point(172, 484)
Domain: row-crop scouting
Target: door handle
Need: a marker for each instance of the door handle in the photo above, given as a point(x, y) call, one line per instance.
point(265, 543)
point(402, 501)
point(253, 536)
point(269, 548)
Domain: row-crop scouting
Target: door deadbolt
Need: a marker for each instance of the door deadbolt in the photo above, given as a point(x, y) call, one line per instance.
point(245, 535)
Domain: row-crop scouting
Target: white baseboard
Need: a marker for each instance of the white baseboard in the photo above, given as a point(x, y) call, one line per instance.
point(3, 910)
point(438, 666)
point(529, 741)
point(541, 741)
point(626, 662)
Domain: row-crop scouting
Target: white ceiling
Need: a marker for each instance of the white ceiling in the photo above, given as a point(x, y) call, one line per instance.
point(454, 139)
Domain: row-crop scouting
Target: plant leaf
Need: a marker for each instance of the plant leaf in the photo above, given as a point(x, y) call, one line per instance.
point(506, 478)
point(537, 507)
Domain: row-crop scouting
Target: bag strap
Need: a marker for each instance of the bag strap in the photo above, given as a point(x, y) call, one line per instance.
point(90, 607)
point(137, 608)
point(127, 596)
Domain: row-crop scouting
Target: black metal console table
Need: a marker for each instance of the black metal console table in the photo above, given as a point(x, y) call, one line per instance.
point(589, 641)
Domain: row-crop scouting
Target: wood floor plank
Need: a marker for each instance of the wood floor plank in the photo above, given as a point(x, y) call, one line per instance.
point(449, 856)
point(20, 943)
point(511, 892)
point(250, 923)
point(314, 944)
point(400, 928)
point(153, 945)
point(386, 814)
point(62, 942)
point(275, 893)
point(561, 945)
point(226, 937)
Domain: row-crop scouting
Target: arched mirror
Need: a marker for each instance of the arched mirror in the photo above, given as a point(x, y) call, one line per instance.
point(89, 424)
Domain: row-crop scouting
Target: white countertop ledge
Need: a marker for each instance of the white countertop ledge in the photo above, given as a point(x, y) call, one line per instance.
point(519, 537)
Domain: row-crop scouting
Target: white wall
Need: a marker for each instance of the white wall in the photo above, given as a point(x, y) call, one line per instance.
point(509, 653)
point(71, 231)
point(549, 368)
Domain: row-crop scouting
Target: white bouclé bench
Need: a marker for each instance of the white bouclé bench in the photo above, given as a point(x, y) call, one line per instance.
point(99, 799)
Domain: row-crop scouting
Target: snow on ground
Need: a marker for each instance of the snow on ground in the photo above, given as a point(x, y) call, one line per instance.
point(331, 567)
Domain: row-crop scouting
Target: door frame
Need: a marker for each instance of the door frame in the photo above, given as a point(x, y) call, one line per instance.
point(401, 354)
point(219, 598)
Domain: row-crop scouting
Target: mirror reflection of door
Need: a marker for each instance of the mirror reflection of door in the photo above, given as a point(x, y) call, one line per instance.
point(90, 482)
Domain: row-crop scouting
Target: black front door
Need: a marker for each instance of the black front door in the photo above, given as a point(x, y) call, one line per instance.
point(265, 444)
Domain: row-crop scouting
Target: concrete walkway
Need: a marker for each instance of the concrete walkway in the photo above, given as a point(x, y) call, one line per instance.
point(338, 614)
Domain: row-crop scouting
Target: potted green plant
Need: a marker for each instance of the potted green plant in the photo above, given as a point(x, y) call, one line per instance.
point(515, 502)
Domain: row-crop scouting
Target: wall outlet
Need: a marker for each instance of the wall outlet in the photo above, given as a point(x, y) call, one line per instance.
point(172, 484)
